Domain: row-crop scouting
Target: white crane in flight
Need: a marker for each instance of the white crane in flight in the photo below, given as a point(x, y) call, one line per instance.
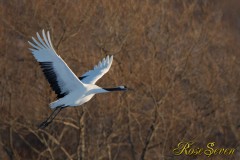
point(70, 89)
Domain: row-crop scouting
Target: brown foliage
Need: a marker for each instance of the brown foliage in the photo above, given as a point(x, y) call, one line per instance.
point(180, 57)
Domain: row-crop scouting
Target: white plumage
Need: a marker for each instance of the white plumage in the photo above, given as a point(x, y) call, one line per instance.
point(99, 70)
point(70, 90)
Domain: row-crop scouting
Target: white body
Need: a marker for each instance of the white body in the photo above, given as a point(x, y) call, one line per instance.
point(77, 97)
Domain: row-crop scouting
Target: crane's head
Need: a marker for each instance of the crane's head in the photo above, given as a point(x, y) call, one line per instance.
point(122, 88)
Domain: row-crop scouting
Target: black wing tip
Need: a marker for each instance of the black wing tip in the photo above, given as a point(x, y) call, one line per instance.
point(82, 77)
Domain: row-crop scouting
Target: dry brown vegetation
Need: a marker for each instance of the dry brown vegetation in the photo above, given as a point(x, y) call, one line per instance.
point(180, 57)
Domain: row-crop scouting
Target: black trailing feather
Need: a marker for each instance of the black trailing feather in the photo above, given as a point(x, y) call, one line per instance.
point(50, 75)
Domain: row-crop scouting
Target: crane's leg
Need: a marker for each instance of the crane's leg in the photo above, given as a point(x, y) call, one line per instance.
point(50, 118)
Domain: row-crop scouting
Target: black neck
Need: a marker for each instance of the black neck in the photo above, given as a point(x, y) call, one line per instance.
point(113, 89)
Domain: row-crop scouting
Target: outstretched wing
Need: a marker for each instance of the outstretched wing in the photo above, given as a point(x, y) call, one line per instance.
point(59, 75)
point(99, 70)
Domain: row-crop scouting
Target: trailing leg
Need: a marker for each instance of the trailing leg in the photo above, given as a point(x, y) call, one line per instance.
point(50, 118)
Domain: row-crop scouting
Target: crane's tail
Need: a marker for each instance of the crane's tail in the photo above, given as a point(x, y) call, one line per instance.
point(56, 104)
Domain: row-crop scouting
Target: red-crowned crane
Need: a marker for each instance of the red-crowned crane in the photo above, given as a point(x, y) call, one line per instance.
point(70, 89)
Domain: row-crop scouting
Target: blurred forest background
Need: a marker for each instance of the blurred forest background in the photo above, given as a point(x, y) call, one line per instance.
point(181, 58)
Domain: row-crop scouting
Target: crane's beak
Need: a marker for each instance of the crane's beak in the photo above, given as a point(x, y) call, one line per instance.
point(130, 89)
